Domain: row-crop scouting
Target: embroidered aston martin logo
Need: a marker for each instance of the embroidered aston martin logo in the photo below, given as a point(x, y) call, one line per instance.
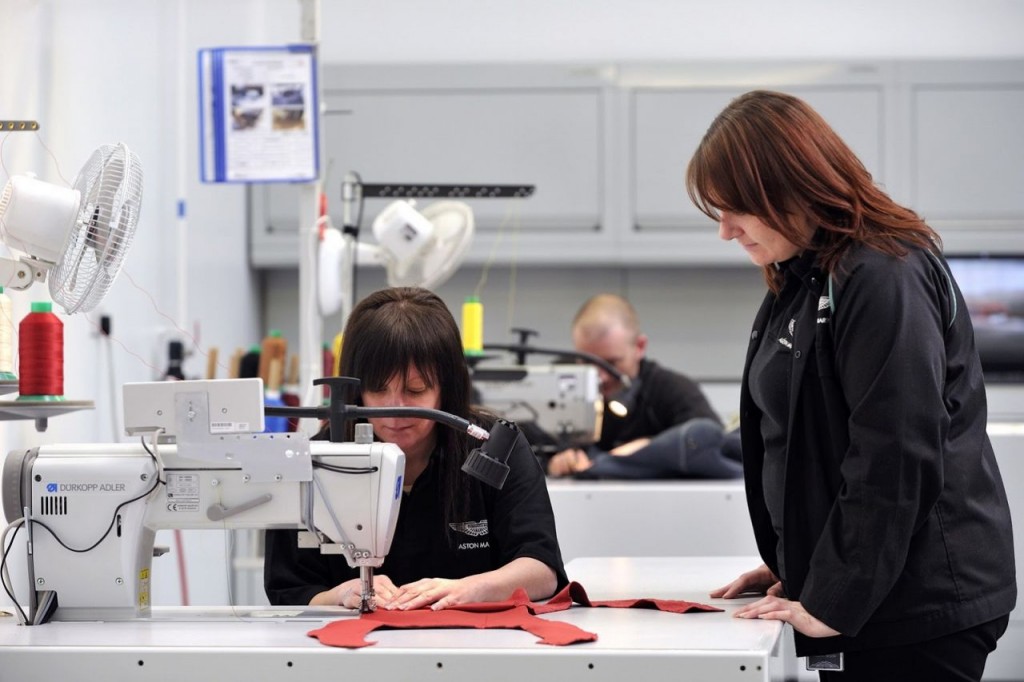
point(472, 528)
point(824, 303)
point(788, 342)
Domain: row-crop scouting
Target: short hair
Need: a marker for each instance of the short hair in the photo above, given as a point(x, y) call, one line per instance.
point(601, 312)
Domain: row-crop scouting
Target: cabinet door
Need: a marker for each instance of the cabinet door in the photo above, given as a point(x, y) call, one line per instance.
point(669, 124)
point(967, 173)
point(547, 137)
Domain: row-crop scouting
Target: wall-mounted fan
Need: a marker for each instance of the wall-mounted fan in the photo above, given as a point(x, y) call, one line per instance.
point(418, 248)
point(80, 236)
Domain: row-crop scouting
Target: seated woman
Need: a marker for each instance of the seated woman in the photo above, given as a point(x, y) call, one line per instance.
point(457, 540)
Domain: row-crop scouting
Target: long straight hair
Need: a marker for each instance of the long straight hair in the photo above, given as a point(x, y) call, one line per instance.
point(770, 155)
point(394, 329)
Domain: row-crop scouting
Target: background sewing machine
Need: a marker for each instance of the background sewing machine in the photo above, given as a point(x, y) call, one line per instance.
point(557, 405)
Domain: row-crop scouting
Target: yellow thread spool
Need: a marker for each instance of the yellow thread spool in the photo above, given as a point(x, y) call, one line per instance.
point(473, 326)
point(336, 347)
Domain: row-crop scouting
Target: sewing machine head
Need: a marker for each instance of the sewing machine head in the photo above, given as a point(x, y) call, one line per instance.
point(560, 404)
point(203, 465)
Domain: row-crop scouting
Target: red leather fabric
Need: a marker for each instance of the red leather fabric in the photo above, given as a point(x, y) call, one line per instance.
point(515, 613)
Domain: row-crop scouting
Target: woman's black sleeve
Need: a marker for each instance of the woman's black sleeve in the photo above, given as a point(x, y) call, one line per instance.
point(523, 521)
point(293, 576)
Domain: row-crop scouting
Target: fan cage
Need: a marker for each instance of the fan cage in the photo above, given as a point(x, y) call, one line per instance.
point(111, 194)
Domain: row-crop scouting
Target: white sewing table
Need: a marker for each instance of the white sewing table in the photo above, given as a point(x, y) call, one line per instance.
point(651, 518)
point(263, 643)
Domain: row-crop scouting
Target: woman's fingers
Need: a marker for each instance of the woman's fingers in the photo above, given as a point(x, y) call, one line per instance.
point(751, 581)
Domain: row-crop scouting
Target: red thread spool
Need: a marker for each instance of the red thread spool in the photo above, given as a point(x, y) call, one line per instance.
point(41, 354)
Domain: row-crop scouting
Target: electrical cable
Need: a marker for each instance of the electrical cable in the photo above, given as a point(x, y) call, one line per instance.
point(4, 575)
point(153, 453)
point(114, 517)
point(345, 469)
point(457, 423)
point(114, 411)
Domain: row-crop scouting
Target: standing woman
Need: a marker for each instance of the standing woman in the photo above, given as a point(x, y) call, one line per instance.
point(457, 540)
point(876, 502)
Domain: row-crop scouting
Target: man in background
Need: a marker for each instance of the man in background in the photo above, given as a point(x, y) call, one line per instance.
point(659, 426)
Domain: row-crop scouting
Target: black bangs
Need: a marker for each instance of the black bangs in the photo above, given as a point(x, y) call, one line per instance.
point(391, 342)
point(394, 329)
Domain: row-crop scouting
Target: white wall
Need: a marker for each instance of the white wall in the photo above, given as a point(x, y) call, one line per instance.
point(94, 71)
point(624, 30)
point(106, 71)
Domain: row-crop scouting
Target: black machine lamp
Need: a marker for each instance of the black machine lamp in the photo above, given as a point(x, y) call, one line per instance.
point(488, 463)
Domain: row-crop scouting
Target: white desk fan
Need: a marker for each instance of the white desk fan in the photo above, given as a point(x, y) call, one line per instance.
point(418, 248)
point(79, 236)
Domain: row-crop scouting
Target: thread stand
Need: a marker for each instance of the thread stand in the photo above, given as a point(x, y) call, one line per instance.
point(12, 410)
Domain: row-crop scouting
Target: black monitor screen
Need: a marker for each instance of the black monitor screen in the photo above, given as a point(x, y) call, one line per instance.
point(993, 287)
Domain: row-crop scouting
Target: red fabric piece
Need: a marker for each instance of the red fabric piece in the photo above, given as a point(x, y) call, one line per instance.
point(350, 633)
point(574, 593)
point(518, 612)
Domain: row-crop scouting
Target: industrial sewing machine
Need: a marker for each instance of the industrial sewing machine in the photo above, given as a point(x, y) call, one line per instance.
point(563, 401)
point(91, 512)
point(560, 404)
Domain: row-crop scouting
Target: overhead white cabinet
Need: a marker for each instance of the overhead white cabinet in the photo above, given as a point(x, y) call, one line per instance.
point(968, 164)
point(668, 125)
point(606, 147)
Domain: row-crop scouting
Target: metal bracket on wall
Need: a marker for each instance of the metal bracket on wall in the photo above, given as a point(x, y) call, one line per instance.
point(16, 126)
point(433, 191)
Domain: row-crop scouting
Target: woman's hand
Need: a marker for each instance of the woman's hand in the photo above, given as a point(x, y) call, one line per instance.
point(792, 612)
point(534, 576)
point(761, 580)
point(349, 593)
point(438, 593)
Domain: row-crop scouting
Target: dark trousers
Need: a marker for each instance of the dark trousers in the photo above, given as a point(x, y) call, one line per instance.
point(698, 448)
point(958, 657)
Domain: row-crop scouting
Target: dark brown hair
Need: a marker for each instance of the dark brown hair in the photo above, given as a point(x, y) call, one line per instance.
point(394, 329)
point(770, 155)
